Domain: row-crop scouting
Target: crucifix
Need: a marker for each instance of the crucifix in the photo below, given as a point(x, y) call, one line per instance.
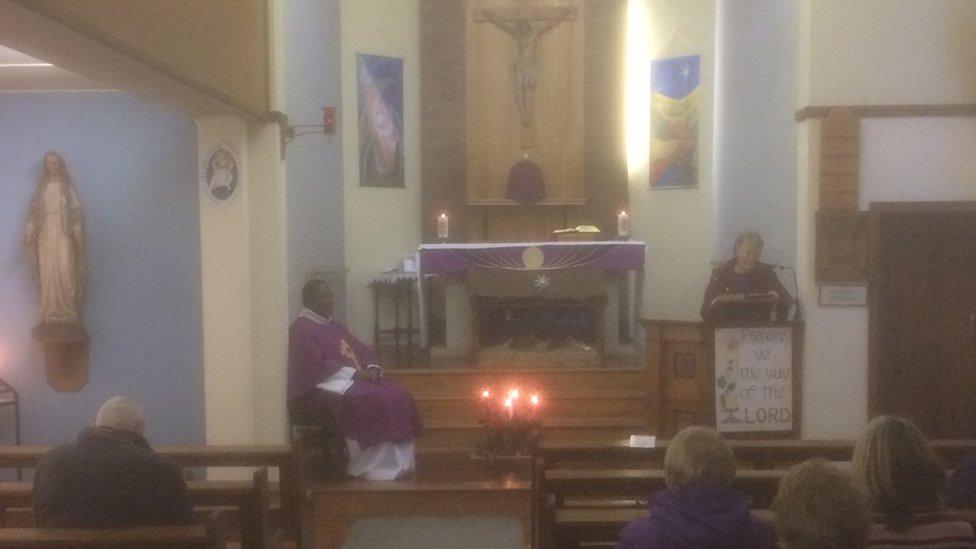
point(526, 24)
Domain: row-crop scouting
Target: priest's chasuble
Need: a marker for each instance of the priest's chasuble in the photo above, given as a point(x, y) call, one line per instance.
point(367, 412)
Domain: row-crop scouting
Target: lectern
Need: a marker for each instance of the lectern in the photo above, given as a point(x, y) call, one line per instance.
point(739, 373)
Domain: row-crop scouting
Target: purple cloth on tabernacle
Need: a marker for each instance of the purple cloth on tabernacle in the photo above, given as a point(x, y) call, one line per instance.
point(698, 517)
point(525, 183)
point(369, 412)
point(449, 258)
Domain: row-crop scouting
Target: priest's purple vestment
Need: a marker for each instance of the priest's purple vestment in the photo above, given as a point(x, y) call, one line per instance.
point(368, 412)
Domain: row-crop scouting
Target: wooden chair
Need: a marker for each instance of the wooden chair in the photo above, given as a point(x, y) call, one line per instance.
point(312, 426)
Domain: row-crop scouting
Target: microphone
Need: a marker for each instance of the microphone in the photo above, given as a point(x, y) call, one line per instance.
point(796, 288)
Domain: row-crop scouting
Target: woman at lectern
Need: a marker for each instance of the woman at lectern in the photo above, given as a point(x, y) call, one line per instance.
point(743, 277)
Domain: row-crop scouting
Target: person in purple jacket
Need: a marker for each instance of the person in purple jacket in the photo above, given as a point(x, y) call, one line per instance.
point(330, 370)
point(699, 509)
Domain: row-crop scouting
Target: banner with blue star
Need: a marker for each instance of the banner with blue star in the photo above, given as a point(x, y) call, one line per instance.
point(674, 122)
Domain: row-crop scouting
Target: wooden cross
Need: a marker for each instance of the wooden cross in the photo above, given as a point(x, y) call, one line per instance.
point(526, 24)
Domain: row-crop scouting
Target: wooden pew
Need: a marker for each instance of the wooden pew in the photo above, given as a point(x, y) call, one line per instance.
point(248, 501)
point(759, 454)
point(760, 485)
point(601, 527)
point(280, 456)
point(211, 535)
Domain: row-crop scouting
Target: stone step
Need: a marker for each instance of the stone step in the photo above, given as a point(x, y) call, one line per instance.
point(458, 433)
point(630, 402)
point(469, 382)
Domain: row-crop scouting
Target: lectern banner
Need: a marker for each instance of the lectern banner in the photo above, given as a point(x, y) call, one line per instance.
point(753, 379)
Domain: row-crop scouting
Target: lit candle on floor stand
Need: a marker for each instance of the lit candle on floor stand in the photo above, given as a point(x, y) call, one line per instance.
point(486, 398)
point(513, 396)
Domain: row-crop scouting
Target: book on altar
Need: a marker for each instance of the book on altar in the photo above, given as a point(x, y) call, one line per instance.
point(579, 232)
point(578, 229)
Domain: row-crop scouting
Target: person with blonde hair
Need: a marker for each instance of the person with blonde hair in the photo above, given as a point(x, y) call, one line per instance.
point(818, 505)
point(699, 509)
point(904, 480)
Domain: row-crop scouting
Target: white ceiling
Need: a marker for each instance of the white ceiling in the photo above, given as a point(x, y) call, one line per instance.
point(21, 72)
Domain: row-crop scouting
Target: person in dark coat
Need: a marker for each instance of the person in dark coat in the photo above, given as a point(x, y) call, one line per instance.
point(110, 477)
point(744, 275)
point(960, 488)
point(699, 509)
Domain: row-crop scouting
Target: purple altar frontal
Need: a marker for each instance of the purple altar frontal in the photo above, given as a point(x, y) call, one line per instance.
point(451, 258)
point(531, 256)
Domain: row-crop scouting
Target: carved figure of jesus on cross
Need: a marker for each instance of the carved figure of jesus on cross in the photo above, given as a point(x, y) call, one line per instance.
point(526, 24)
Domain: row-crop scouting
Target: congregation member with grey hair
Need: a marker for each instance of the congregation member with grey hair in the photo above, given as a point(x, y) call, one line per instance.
point(110, 477)
point(699, 509)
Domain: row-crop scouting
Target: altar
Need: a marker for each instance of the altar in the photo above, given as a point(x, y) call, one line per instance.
point(568, 290)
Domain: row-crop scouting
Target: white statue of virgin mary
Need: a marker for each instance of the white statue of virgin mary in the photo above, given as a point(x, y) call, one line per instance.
point(55, 242)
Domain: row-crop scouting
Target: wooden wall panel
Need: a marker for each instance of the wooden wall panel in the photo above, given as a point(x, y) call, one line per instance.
point(496, 137)
point(520, 223)
point(605, 149)
point(442, 121)
point(839, 159)
point(445, 148)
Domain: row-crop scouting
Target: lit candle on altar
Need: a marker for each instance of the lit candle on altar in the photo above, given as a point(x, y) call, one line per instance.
point(510, 406)
point(623, 223)
point(535, 404)
point(442, 226)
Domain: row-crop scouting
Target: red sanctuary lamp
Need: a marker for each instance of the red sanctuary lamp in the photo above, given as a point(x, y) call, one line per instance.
point(511, 423)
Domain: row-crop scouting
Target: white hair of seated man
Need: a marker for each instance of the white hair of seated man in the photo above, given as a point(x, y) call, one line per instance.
point(122, 413)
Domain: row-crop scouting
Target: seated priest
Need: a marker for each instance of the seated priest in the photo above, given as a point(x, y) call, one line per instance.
point(743, 289)
point(332, 373)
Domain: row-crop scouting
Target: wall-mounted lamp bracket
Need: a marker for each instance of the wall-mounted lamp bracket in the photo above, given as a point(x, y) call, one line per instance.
point(289, 133)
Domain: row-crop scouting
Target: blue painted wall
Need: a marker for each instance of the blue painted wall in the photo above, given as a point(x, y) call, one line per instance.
point(313, 162)
point(134, 165)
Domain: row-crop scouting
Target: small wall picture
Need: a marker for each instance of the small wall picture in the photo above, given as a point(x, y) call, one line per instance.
point(380, 91)
point(220, 173)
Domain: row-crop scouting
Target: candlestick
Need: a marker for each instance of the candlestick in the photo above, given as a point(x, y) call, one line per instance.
point(535, 405)
point(623, 223)
point(486, 397)
point(510, 406)
point(442, 226)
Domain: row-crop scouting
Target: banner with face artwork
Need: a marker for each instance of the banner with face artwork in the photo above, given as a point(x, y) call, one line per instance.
point(380, 92)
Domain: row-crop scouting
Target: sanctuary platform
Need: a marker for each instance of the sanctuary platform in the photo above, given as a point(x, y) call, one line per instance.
point(577, 404)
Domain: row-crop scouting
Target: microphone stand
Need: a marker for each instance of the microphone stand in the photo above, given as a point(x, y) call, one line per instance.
point(796, 287)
